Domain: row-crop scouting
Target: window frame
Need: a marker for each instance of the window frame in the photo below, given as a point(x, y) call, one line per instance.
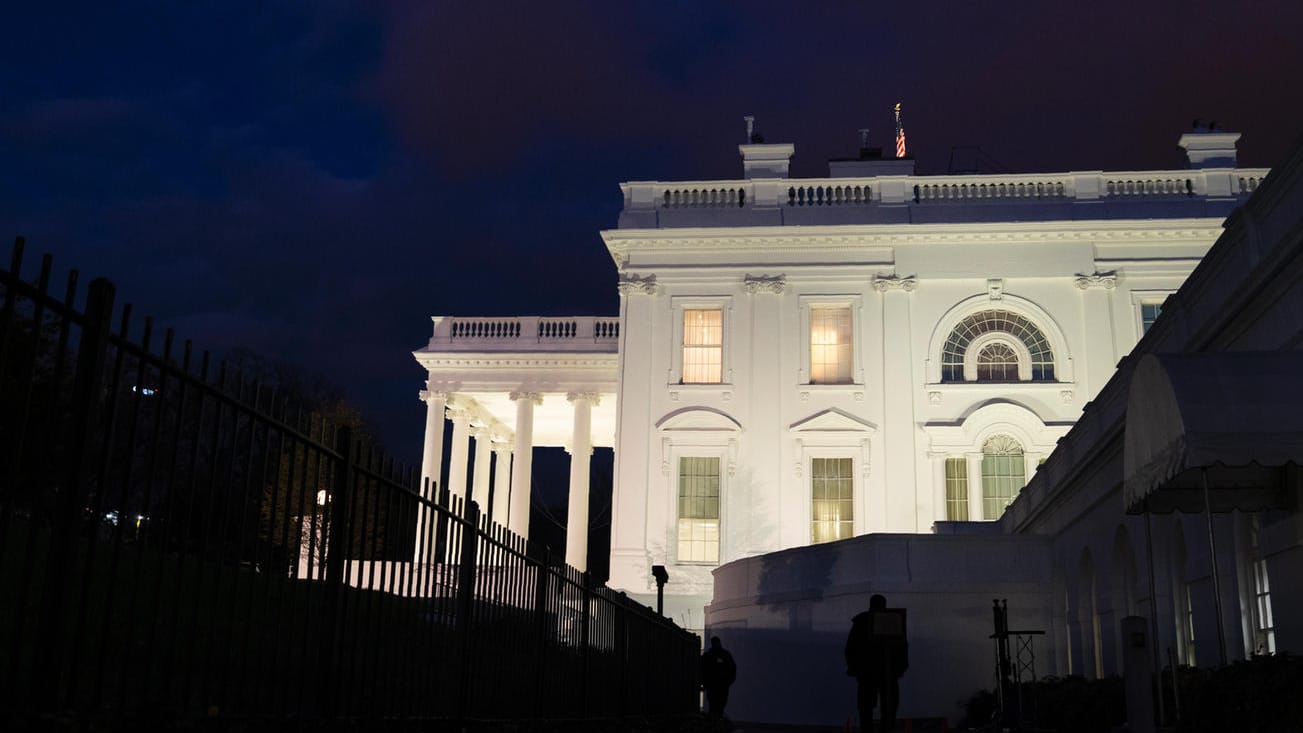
point(855, 304)
point(985, 498)
point(826, 454)
point(679, 306)
point(720, 468)
point(1141, 298)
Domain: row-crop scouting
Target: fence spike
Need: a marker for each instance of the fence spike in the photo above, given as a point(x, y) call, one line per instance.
point(16, 256)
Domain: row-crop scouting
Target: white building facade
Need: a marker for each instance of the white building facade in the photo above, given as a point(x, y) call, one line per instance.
point(805, 360)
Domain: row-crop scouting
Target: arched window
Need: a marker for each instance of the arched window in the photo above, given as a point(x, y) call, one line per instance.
point(1004, 474)
point(1009, 348)
point(997, 362)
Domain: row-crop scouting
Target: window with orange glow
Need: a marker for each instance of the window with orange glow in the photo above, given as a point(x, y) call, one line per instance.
point(703, 346)
point(832, 491)
point(831, 345)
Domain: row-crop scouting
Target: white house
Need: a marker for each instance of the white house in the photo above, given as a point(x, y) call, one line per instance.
point(818, 389)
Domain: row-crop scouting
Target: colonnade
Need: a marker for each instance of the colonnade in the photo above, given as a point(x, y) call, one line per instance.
point(504, 493)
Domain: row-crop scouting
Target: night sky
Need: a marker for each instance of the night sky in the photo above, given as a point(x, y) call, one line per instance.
point(313, 180)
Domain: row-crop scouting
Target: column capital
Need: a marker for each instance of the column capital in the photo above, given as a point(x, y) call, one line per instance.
point(764, 284)
point(459, 413)
point(1107, 280)
point(427, 396)
point(591, 398)
point(638, 285)
point(518, 395)
point(883, 283)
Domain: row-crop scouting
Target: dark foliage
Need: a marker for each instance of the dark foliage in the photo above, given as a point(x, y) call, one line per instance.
point(1263, 694)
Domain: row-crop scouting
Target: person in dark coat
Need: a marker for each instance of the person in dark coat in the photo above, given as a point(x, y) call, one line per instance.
point(877, 654)
point(718, 671)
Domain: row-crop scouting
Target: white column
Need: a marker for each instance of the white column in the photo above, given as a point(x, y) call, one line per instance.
point(581, 450)
point(461, 426)
point(501, 481)
point(480, 477)
point(1097, 306)
point(432, 455)
point(518, 517)
point(902, 500)
point(431, 464)
point(940, 507)
point(974, 487)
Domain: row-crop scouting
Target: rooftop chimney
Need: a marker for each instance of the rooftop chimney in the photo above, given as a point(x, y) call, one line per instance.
point(760, 160)
point(1208, 147)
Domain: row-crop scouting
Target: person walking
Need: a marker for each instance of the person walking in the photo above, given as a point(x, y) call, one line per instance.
point(877, 655)
point(718, 671)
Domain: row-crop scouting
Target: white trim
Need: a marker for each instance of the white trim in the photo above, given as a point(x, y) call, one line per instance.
point(681, 303)
point(1039, 317)
point(976, 345)
point(1145, 297)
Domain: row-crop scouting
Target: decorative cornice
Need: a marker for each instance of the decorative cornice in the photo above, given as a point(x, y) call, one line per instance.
point(764, 283)
point(624, 241)
point(592, 398)
point(637, 284)
point(454, 361)
point(534, 397)
point(1107, 280)
point(883, 283)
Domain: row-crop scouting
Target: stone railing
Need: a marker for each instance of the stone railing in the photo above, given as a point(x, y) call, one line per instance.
point(525, 333)
point(770, 193)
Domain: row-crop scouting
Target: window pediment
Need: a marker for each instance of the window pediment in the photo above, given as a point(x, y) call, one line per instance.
point(698, 419)
point(833, 420)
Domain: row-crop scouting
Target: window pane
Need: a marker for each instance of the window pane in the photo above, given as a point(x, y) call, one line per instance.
point(1003, 474)
point(957, 489)
point(832, 488)
point(997, 362)
point(956, 346)
point(703, 340)
point(831, 345)
point(698, 509)
point(1148, 314)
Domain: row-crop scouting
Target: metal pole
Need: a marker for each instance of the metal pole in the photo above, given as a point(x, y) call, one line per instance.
point(1157, 666)
point(1217, 578)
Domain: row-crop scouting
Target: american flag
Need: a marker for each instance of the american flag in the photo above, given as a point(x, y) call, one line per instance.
point(900, 134)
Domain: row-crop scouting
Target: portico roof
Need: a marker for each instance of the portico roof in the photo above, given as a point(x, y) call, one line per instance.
point(1231, 419)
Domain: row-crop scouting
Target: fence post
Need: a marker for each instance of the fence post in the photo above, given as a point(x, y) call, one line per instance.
point(339, 533)
point(84, 425)
point(586, 598)
point(465, 604)
point(540, 611)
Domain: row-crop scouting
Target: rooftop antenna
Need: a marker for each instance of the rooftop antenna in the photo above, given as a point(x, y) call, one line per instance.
point(864, 138)
point(751, 126)
point(900, 134)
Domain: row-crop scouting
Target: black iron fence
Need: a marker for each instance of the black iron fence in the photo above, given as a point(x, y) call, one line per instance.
point(178, 540)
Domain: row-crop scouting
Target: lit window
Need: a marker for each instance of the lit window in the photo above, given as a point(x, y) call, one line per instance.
point(957, 489)
point(1263, 624)
point(997, 362)
point(832, 488)
point(699, 509)
point(831, 353)
point(1041, 368)
point(1003, 474)
point(703, 346)
point(1148, 314)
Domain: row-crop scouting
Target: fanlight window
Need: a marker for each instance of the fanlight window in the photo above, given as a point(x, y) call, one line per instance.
point(1003, 474)
point(997, 361)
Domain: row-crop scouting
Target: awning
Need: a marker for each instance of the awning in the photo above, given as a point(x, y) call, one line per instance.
point(1232, 418)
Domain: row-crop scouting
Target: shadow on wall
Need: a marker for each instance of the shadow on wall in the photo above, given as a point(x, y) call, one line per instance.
point(793, 581)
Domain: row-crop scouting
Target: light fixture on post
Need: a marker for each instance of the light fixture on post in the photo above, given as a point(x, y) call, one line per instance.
point(662, 577)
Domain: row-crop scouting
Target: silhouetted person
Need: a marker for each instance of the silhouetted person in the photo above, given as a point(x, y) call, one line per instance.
point(718, 671)
point(877, 654)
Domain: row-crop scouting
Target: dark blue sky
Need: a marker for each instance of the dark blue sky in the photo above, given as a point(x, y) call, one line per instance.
point(312, 180)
